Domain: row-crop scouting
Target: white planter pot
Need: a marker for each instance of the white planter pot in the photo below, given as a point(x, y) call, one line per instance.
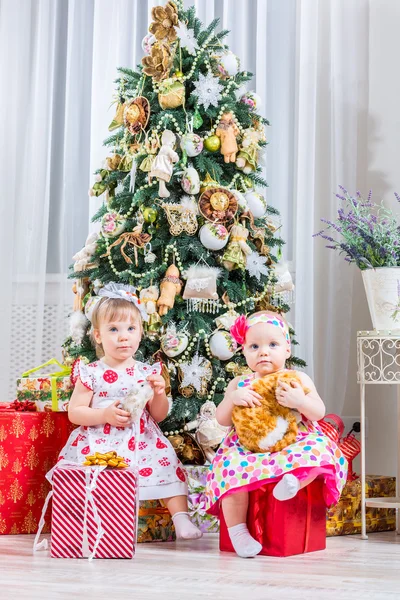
point(381, 286)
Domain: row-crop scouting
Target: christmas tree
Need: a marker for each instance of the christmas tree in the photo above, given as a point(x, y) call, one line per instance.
point(183, 219)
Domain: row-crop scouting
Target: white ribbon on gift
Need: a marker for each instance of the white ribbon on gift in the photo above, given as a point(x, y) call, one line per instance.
point(90, 486)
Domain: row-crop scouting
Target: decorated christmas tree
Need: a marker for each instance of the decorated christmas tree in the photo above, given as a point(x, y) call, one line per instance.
point(183, 217)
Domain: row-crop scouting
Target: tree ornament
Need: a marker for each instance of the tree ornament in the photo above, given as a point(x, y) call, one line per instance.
point(149, 256)
point(237, 370)
point(147, 43)
point(201, 287)
point(150, 214)
point(158, 64)
point(89, 306)
point(197, 119)
point(226, 320)
point(112, 224)
point(241, 200)
point(171, 94)
point(174, 343)
point(170, 287)
point(83, 258)
point(228, 64)
point(178, 74)
point(164, 21)
point(285, 281)
point(212, 143)
point(186, 38)
point(257, 204)
point(252, 100)
point(227, 131)
point(148, 298)
point(209, 432)
point(214, 236)
point(151, 145)
point(218, 204)
point(163, 163)
point(207, 90)
point(135, 238)
point(192, 144)
point(208, 182)
point(136, 114)
point(118, 120)
point(182, 217)
point(196, 372)
point(247, 157)
point(255, 265)
point(190, 181)
point(222, 345)
point(235, 254)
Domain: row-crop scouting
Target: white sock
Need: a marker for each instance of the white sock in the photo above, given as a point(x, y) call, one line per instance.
point(244, 544)
point(286, 488)
point(185, 530)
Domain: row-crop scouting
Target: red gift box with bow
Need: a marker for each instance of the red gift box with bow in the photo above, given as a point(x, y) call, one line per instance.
point(295, 526)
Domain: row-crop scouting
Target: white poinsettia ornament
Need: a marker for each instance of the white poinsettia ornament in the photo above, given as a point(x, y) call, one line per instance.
point(208, 90)
point(255, 265)
point(193, 373)
point(186, 37)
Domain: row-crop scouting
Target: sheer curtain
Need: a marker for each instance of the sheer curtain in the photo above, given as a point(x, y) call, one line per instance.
point(58, 62)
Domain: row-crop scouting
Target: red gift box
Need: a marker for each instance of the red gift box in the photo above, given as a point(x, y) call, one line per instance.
point(30, 443)
point(94, 512)
point(286, 528)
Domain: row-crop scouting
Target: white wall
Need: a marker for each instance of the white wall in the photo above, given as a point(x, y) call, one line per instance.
point(382, 175)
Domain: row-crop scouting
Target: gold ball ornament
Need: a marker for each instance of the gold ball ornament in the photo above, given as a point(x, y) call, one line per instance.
point(150, 214)
point(212, 143)
point(178, 74)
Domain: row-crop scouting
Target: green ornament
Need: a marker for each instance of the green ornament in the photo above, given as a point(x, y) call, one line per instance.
point(152, 230)
point(150, 214)
point(212, 143)
point(197, 120)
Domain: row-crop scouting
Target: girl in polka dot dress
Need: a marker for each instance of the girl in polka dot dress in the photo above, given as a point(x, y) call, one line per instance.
point(94, 405)
point(235, 470)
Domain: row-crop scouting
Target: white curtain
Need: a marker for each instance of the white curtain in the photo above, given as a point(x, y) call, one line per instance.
point(58, 62)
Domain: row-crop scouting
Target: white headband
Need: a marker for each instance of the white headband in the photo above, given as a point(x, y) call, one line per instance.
point(124, 292)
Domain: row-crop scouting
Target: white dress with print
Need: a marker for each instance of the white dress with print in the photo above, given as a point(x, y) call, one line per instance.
point(160, 471)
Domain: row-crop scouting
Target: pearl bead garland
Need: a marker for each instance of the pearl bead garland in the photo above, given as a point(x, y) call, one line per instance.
point(148, 273)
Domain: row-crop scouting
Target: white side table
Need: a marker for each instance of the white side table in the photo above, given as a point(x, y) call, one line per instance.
point(378, 360)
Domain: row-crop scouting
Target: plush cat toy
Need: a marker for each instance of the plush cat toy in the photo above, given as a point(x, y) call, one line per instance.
point(269, 427)
point(135, 402)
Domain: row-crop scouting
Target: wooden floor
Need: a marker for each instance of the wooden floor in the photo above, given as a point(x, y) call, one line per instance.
point(349, 568)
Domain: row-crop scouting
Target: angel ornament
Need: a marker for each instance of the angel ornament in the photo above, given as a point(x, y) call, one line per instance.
point(163, 163)
point(209, 432)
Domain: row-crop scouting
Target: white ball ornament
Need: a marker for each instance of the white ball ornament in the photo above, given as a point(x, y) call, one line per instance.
point(257, 204)
point(174, 344)
point(190, 181)
point(252, 100)
point(214, 236)
point(241, 200)
point(147, 43)
point(192, 144)
point(222, 345)
point(229, 64)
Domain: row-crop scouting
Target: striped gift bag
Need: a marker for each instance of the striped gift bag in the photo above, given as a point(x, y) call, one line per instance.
point(349, 445)
point(94, 512)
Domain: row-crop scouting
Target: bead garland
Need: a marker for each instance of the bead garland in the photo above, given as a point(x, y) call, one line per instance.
point(132, 207)
point(169, 118)
point(154, 270)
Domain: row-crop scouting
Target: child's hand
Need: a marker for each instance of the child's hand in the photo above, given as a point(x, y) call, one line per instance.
point(157, 382)
point(246, 397)
point(116, 416)
point(291, 396)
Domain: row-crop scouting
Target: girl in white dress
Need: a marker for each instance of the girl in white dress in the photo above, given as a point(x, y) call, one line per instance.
point(94, 405)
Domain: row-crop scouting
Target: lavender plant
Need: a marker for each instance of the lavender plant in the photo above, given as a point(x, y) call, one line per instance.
point(367, 233)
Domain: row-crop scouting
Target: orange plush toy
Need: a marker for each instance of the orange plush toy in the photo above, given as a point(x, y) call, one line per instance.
point(269, 427)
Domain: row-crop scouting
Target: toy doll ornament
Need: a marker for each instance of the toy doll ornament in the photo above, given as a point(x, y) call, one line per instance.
point(163, 164)
point(209, 432)
point(227, 131)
